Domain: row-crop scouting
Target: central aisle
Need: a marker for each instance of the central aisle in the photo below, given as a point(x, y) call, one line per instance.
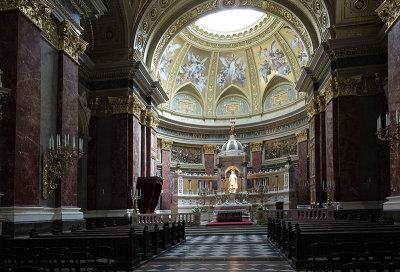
point(220, 253)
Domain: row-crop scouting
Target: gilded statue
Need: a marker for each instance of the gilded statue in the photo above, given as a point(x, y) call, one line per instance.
point(233, 183)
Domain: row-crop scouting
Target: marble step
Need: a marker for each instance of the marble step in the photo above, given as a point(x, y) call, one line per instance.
point(226, 230)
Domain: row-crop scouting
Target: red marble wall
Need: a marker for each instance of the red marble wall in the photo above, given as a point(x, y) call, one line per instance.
point(314, 153)
point(303, 190)
point(332, 148)
point(149, 145)
point(322, 153)
point(20, 60)
point(394, 101)
point(67, 123)
point(209, 164)
point(165, 170)
point(257, 160)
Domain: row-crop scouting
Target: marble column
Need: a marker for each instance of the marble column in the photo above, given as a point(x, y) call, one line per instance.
point(393, 203)
point(20, 60)
point(245, 177)
point(125, 165)
point(209, 151)
point(303, 183)
point(67, 124)
point(314, 150)
point(92, 165)
point(143, 168)
point(256, 153)
point(322, 151)
point(165, 171)
point(219, 177)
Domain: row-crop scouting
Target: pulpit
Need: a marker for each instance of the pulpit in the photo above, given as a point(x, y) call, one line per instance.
point(150, 188)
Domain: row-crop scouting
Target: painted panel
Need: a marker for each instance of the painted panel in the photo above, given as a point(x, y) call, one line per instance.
point(184, 103)
point(168, 57)
point(279, 97)
point(232, 106)
point(232, 69)
point(296, 44)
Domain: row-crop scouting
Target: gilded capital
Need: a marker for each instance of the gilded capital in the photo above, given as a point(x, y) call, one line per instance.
point(256, 146)
point(116, 105)
point(152, 120)
point(70, 42)
point(302, 136)
point(312, 108)
point(209, 149)
point(389, 12)
point(166, 144)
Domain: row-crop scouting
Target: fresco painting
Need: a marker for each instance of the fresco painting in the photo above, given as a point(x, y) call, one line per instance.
point(186, 104)
point(167, 58)
point(279, 97)
point(193, 70)
point(232, 106)
point(233, 70)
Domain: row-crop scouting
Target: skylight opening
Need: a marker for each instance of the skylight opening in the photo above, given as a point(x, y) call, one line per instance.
point(230, 21)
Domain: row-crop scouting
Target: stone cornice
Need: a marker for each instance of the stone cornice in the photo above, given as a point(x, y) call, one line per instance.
point(209, 149)
point(389, 12)
point(302, 136)
point(256, 146)
point(166, 144)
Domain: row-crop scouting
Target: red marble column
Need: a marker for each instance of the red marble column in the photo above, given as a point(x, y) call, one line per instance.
point(125, 166)
point(302, 188)
point(67, 124)
point(322, 152)
point(394, 101)
point(314, 159)
point(20, 60)
point(165, 171)
point(143, 151)
point(149, 145)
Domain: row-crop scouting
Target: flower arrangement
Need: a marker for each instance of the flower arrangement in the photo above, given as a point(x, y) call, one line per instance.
point(196, 209)
point(261, 207)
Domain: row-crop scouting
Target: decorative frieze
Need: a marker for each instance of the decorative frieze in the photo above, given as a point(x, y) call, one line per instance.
point(166, 144)
point(209, 149)
point(117, 105)
point(389, 12)
point(183, 154)
point(302, 136)
point(256, 146)
point(354, 85)
point(280, 148)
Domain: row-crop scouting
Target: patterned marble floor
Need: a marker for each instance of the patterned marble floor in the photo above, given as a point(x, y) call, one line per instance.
point(220, 253)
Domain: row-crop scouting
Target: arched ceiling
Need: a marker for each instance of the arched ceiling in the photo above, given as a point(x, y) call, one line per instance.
point(212, 75)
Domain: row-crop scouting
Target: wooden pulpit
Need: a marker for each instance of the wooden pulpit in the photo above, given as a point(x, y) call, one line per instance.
point(151, 189)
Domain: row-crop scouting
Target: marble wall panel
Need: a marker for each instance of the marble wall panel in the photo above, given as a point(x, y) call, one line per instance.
point(257, 161)
point(302, 188)
point(209, 164)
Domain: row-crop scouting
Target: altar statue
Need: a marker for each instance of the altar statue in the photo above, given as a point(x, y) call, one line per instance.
point(233, 184)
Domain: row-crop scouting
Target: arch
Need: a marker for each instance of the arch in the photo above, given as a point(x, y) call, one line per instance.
point(190, 89)
point(232, 90)
point(275, 81)
point(280, 96)
point(186, 104)
point(152, 45)
point(232, 105)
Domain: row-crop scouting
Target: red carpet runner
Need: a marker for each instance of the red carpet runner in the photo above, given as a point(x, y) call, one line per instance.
point(216, 223)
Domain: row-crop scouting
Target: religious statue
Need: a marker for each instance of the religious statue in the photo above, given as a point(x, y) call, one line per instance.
point(84, 104)
point(232, 131)
point(233, 184)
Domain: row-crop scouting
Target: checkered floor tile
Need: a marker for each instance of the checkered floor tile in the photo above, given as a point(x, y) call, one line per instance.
point(220, 253)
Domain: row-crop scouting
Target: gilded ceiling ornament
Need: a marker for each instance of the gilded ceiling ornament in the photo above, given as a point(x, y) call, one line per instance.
point(302, 136)
point(154, 13)
point(166, 144)
point(209, 149)
point(256, 146)
point(389, 12)
point(164, 3)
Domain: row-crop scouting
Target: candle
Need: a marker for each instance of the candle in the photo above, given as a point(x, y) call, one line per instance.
point(73, 142)
point(68, 140)
point(397, 116)
point(50, 143)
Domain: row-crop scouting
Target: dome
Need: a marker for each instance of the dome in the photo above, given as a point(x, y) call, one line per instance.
point(232, 146)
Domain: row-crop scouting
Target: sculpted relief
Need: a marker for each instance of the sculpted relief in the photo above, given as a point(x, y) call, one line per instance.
point(280, 148)
point(183, 154)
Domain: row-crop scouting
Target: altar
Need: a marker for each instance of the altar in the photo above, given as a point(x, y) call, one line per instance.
point(231, 212)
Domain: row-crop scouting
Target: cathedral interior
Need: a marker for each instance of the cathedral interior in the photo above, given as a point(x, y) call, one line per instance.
point(141, 110)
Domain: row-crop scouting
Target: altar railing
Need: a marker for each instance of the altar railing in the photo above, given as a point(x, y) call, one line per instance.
point(302, 214)
point(146, 219)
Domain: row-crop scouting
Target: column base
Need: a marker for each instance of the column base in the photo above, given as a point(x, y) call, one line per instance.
point(393, 204)
point(103, 218)
point(20, 220)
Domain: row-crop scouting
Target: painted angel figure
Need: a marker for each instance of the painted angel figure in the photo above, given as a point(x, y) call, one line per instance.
point(196, 65)
point(166, 59)
point(231, 70)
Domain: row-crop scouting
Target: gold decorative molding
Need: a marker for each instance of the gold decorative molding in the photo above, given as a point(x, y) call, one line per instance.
point(166, 144)
point(116, 105)
point(389, 12)
point(34, 10)
point(357, 85)
point(256, 146)
point(209, 149)
point(70, 42)
point(302, 136)
point(313, 108)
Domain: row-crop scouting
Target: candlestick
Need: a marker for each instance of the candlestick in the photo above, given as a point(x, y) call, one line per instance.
point(73, 142)
point(397, 116)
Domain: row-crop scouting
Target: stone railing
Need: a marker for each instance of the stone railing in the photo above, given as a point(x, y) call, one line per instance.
point(148, 219)
point(301, 214)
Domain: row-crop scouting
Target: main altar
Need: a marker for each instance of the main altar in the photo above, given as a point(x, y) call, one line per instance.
point(224, 196)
